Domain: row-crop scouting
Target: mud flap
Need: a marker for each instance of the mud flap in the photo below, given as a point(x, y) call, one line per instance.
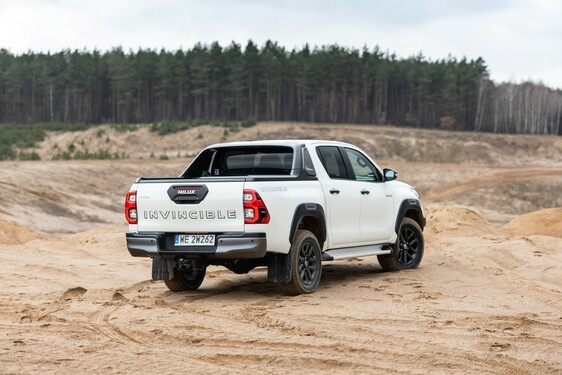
point(279, 268)
point(162, 269)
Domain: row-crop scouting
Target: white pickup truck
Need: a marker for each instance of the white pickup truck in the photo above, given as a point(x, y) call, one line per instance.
point(288, 205)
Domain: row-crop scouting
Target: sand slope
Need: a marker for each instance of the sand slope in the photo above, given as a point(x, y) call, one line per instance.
point(547, 222)
point(383, 142)
point(457, 221)
point(500, 176)
point(11, 233)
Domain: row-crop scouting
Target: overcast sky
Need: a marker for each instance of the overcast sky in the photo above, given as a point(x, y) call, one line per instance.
point(518, 39)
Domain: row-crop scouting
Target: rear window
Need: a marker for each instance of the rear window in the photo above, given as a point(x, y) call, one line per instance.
point(242, 161)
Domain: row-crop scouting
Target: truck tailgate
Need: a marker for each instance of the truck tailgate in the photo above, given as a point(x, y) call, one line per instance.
point(190, 206)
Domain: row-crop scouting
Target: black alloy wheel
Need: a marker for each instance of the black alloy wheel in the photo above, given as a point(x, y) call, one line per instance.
point(305, 257)
point(408, 246)
point(308, 264)
point(408, 250)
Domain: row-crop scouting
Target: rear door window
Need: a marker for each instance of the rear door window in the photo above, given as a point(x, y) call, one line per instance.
point(332, 161)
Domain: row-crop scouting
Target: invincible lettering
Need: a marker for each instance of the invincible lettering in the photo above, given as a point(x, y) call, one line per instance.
point(193, 215)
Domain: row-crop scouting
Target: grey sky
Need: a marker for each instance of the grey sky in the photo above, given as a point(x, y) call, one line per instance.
point(519, 39)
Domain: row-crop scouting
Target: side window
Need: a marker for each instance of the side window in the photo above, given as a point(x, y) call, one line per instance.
point(362, 167)
point(332, 161)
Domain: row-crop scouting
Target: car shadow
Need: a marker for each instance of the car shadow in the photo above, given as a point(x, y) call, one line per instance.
point(255, 286)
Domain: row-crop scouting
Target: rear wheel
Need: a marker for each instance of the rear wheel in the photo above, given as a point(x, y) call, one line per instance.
point(306, 264)
point(186, 279)
point(407, 252)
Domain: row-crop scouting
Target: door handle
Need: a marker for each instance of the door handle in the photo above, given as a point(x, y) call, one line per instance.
point(334, 191)
point(365, 192)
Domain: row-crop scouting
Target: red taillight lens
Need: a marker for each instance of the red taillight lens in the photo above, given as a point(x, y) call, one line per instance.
point(131, 207)
point(255, 211)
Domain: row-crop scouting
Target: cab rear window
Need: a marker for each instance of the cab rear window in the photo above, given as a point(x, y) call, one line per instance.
point(242, 161)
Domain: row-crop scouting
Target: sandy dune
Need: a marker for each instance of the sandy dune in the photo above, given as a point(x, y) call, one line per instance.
point(546, 222)
point(486, 299)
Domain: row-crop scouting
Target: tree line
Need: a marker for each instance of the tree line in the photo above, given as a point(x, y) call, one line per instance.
point(329, 84)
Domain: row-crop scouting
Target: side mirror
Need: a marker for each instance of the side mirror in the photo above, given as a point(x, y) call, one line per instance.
point(390, 174)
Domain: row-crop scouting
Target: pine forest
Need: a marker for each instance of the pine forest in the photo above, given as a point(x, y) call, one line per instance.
point(329, 84)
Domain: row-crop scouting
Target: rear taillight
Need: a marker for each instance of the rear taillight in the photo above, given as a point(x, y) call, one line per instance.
point(255, 211)
point(131, 207)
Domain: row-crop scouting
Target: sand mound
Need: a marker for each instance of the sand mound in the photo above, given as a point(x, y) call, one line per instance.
point(73, 293)
point(546, 222)
point(13, 234)
point(458, 221)
point(109, 238)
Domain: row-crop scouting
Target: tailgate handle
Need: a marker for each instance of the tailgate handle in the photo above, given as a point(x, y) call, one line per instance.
point(186, 199)
point(187, 194)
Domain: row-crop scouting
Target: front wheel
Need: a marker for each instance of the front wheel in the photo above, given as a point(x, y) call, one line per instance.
point(306, 264)
point(186, 279)
point(407, 252)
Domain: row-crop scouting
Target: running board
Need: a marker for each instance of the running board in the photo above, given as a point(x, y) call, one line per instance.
point(356, 252)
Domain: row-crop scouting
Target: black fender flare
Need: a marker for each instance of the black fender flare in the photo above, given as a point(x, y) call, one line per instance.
point(408, 205)
point(279, 266)
point(305, 210)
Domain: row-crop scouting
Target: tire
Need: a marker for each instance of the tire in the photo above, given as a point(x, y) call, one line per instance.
point(186, 280)
point(407, 252)
point(306, 264)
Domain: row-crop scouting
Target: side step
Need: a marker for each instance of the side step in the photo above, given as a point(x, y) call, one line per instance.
point(356, 252)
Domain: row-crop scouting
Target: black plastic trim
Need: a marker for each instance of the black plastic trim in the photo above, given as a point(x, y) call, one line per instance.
point(245, 245)
point(279, 268)
point(347, 163)
point(327, 257)
point(188, 194)
point(162, 268)
point(405, 206)
point(304, 210)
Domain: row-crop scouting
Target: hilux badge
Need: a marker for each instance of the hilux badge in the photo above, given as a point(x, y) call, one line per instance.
point(186, 191)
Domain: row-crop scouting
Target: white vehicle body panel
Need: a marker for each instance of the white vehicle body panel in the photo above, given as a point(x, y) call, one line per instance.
point(281, 199)
point(220, 211)
point(343, 212)
point(376, 207)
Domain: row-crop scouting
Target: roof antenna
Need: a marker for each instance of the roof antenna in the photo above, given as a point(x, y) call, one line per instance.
point(307, 136)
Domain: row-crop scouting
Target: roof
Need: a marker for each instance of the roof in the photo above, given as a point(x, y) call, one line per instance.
point(279, 142)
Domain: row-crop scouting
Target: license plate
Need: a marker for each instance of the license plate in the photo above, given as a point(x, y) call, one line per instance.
point(195, 240)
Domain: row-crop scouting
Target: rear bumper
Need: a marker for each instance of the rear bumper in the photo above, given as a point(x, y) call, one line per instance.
point(227, 246)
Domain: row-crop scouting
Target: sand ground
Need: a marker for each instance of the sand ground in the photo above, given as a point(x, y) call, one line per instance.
point(487, 297)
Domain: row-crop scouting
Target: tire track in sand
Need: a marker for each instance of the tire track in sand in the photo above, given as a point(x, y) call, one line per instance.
point(102, 324)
